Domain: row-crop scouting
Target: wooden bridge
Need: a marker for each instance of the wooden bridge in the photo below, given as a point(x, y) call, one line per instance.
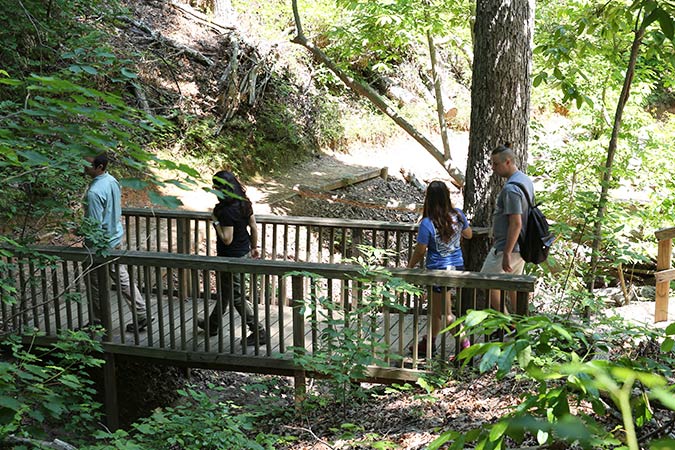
point(301, 282)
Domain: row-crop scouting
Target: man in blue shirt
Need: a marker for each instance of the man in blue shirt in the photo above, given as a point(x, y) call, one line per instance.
point(507, 219)
point(104, 206)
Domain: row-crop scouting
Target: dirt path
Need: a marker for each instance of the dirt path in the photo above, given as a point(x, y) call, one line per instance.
point(400, 153)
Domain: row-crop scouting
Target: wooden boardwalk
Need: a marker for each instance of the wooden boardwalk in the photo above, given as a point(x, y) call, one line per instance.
point(397, 328)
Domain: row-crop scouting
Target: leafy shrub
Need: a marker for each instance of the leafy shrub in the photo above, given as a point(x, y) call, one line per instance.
point(569, 385)
point(48, 388)
point(197, 423)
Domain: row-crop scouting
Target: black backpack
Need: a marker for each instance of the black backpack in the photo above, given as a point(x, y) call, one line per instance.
point(535, 242)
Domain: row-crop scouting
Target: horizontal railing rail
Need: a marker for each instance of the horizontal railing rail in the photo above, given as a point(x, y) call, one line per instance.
point(57, 296)
point(289, 238)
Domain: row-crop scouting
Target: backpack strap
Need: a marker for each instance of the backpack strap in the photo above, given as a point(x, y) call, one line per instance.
point(522, 188)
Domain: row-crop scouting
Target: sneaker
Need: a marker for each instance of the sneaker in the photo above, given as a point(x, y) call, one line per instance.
point(142, 325)
point(213, 330)
point(464, 344)
point(262, 338)
point(89, 325)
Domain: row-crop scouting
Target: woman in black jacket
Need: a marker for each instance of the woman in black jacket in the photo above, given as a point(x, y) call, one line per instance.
point(237, 232)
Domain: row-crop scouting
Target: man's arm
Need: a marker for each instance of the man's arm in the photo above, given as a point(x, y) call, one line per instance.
point(515, 224)
point(95, 207)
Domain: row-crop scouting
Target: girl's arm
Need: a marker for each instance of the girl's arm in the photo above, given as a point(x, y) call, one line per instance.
point(225, 234)
point(255, 251)
point(418, 254)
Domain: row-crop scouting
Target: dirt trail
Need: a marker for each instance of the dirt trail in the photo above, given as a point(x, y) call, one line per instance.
point(402, 152)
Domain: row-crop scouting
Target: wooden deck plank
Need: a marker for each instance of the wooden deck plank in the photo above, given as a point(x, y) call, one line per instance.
point(159, 336)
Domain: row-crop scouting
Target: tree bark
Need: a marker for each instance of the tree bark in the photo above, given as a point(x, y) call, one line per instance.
point(364, 90)
point(611, 151)
point(224, 12)
point(500, 106)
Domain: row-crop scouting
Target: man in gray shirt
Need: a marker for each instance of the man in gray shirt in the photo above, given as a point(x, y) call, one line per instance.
point(507, 219)
point(104, 206)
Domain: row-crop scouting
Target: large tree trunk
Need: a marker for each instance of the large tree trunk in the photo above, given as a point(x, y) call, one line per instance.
point(500, 105)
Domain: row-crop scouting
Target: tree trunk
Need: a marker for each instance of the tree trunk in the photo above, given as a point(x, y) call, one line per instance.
point(611, 151)
point(438, 89)
point(224, 12)
point(500, 106)
point(365, 91)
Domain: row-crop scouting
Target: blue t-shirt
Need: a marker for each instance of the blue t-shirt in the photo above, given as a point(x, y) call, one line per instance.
point(441, 255)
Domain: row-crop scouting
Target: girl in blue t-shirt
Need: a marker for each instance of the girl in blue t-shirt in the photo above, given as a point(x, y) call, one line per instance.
point(439, 235)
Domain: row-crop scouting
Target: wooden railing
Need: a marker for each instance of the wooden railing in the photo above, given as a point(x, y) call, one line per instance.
point(287, 238)
point(664, 274)
point(55, 297)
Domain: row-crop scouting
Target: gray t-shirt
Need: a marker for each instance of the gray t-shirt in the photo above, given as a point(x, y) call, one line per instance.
point(510, 201)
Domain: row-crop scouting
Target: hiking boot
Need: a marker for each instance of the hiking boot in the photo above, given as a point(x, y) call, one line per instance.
point(140, 325)
point(213, 330)
point(262, 338)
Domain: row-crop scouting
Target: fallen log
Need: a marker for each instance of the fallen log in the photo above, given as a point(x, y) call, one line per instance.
point(412, 179)
point(346, 181)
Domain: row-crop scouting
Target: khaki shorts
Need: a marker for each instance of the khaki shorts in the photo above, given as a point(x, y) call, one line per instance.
point(493, 263)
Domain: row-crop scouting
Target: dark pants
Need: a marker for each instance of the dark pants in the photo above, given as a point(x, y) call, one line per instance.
point(232, 290)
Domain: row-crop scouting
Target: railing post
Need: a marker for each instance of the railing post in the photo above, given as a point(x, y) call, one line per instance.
point(103, 277)
point(663, 287)
point(110, 386)
point(300, 379)
point(183, 246)
point(522, 300)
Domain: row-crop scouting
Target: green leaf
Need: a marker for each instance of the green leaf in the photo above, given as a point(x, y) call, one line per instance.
point(9, 402)
point(542, 437)
point(35, 158)
point(666, 397)
point(128, 73)
point(541, 76)
point(670, 329)
point(525, 357)
point(133, 183)
point(662, 444)
point(475, 317)
point(490, 358)
point(90, 70)
point(10, 81)
point(666, 22)
point(667, 345)
point(497, 431)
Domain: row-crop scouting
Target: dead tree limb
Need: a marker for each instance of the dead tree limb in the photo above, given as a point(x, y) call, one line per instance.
point(56, 444)
point(364, 90)
point(438, 89)
point(157, 36)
